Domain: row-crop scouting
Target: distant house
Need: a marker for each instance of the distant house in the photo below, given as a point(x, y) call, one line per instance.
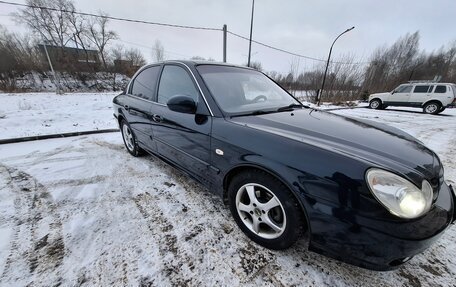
point(71, 59)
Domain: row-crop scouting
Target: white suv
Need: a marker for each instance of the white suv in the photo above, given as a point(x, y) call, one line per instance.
point(433, 98)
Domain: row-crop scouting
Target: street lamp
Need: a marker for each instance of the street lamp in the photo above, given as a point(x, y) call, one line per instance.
point(327, 64)
point(251, 28)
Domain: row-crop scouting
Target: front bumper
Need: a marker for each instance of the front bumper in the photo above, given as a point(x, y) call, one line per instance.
point(381, 244)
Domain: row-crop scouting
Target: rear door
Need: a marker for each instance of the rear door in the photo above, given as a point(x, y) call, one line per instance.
point(421, 94)
point(182, 138)
point(138, 111)
point(400, 96)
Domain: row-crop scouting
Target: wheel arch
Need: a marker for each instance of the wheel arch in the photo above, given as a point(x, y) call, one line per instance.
point(431, 101)
point(376, 98)
point(248, 166)
point(120, 118)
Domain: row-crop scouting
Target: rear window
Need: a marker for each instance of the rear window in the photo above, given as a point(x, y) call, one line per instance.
point(421, 89)
point(144, 83)
point(440, 89)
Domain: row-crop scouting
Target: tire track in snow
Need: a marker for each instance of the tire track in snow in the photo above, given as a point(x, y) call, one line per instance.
point(37, 246)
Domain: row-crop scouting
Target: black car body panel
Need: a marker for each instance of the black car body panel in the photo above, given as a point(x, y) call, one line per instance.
point(321, 157)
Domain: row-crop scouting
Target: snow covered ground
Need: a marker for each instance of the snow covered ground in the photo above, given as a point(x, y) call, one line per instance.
point(31, 114)
point(82, 211)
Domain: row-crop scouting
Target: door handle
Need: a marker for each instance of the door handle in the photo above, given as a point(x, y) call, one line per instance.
point(127, 107)
point(157, 118)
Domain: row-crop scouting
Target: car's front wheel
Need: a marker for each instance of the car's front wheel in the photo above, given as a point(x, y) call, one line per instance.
point(265, 210)
point(375, 104)
point(130, 139)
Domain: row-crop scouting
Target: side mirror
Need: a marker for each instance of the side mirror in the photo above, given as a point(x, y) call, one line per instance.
point(392, 93)
point(182, 104)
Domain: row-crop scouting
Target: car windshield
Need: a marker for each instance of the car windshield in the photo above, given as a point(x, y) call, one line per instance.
point(240, 91)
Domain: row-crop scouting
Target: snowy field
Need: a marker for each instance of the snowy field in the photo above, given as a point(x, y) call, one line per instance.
point(82, 211)
point(32, 114)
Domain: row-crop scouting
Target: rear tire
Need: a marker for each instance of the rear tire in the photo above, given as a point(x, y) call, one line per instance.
point(129, 139)
point(265, 210)
point(432, 108)
point(375, 104)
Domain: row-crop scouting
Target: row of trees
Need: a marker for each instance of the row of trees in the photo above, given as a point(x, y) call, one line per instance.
point(347, 79)
point(387, 67)
point(76, 43)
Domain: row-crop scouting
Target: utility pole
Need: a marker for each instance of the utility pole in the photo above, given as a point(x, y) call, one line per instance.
point(224, 43)
point(251, 28)
point(327, 64)
point(56, 81)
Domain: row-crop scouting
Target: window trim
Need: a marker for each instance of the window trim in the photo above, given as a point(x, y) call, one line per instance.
point(404, 85)
point(133, 80)
point(182, 64)
point(161, 75)
point(195, 81)
point(416, 86)
point(445, 86)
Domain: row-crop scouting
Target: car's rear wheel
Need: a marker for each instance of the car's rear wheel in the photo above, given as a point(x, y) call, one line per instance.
point(375, 104)
point(130, 139)
point(432, 108)
point(265, 210)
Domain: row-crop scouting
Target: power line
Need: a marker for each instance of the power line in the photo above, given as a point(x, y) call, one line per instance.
point(151, 48)
point(111, 17)
point(292, 53)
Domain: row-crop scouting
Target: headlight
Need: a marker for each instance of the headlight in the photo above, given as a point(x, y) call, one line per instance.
point(398, 195)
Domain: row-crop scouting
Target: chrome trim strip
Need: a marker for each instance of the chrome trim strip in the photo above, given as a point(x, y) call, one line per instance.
point(149, 101)
point(136, 97)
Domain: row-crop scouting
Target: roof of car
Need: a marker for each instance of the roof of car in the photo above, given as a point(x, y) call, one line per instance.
point(200, 62)
point(428, 83)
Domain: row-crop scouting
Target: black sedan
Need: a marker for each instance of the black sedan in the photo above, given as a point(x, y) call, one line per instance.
point(364, 193)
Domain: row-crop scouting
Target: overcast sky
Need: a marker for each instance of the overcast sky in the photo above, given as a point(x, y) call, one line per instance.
point(304, 27)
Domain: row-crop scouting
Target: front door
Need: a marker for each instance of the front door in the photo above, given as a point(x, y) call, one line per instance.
point(182, 138)
point(400, 96)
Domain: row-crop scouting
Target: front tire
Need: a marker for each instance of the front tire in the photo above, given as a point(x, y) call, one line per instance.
point(129, 139)
point(432, 108)
point(265, 210)
point(375, 104)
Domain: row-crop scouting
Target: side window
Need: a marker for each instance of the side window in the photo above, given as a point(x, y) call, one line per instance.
point(421, 89)
point(175, 81)
point(430, 89)
point(404, 89)
point(144, 83)
point(440, 89)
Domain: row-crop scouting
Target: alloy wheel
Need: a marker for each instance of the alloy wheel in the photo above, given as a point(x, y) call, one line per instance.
point(128, 137)
point(261, 211)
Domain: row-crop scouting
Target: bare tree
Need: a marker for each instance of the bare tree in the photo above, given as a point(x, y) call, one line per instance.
point(135, 56)
point(391, 66)
point(100, 35)
point(53, 26)
point(158, 51)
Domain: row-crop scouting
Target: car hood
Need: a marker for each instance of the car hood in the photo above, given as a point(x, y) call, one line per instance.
point(370, 141)
point(379, 95)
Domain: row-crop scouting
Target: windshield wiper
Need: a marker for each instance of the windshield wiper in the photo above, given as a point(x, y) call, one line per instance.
point(289, 107)
point(254, 113)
